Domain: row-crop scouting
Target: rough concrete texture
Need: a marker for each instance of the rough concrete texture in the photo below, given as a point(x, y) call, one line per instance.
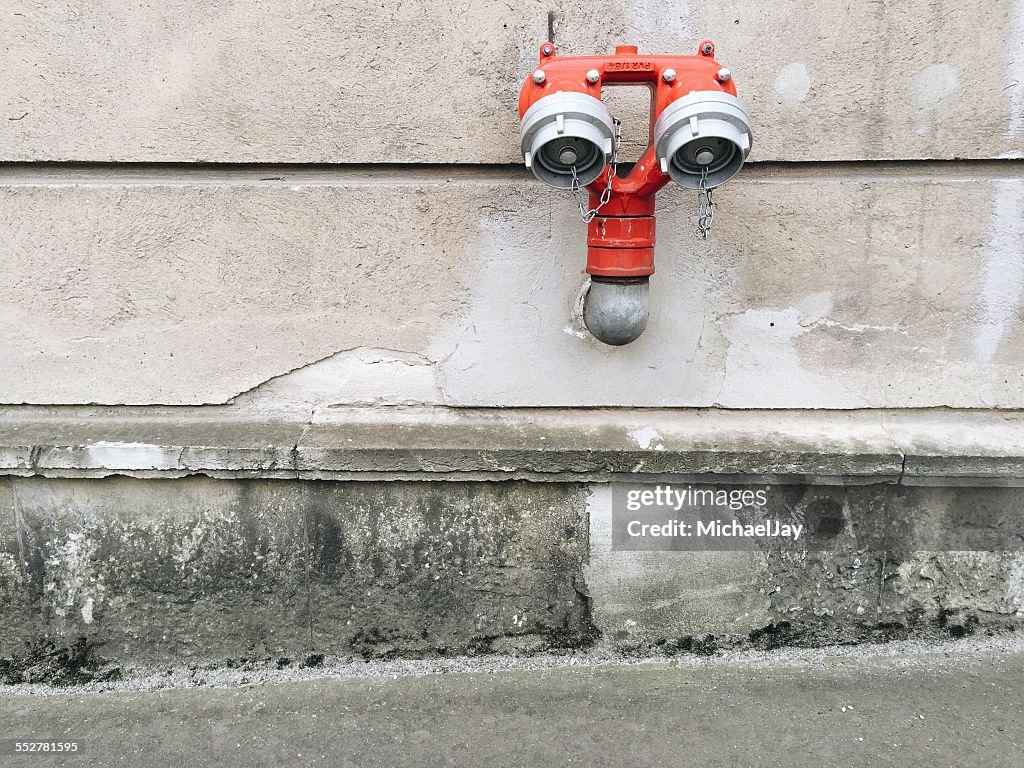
point(200, 570)
point(205, 569)
point(890, 562)
point(902, 291)
point(913, 447)
point(355, 81)
point(958, 708)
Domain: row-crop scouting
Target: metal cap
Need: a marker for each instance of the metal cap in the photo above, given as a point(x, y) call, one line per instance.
point(615, 310)
point(565, 129)
point(704, 129)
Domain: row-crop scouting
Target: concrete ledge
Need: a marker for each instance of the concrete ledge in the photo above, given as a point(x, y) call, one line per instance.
point(959, 447)
point(920, 447)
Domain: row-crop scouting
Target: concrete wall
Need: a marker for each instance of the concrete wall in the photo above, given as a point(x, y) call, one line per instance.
point(285, 242)
point(202, 569)
point(823, 285)
point(199, 570)
point(414, 82)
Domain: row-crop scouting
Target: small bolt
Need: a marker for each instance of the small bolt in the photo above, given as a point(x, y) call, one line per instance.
point(707, 49)
point(593, 76)
point(668, 75)
point(539, 76)
point(547, 50)
point(704, 156)
point(567, 156)
point(724, 75)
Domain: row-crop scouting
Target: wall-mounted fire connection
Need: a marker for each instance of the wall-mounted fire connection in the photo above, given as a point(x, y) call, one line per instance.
point(699, 137)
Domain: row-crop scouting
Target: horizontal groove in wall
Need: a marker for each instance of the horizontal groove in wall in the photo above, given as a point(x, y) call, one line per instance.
point(329, 174)
point(11, 411)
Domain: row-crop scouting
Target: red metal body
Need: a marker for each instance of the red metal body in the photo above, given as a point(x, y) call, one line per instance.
point(620, 240)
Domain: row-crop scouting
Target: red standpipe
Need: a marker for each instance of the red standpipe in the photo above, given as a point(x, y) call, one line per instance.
point(620, 240)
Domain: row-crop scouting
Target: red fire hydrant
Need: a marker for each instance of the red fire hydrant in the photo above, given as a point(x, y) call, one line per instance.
point(699, 137)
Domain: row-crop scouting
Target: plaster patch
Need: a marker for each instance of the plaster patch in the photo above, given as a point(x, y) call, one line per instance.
point(762, 361)
point(793, 83)
point(815, 307)
point(639, 596)
point(522, 341)
point(1003, 285)
point(647, 438)
point(125, 455)
point(932, 86)
point(576, 325)
point(1015, 584)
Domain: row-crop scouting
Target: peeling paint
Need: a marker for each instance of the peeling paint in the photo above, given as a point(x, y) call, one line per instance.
point(369, 376)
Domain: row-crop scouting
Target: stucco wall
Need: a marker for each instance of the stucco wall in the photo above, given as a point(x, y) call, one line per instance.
point(409, 259)
point(423, 81)
point(862, 289)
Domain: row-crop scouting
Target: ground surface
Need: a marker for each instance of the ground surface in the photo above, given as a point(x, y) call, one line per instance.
point(951, 705)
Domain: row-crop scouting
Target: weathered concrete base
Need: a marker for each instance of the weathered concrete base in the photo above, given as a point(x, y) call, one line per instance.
point(197, 570)
point(877, 573)
point(204, 569)
point(216, 534)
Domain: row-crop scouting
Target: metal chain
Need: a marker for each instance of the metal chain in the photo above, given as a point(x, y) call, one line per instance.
point(582, 199)
point(705, 205)
point(705, 201)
